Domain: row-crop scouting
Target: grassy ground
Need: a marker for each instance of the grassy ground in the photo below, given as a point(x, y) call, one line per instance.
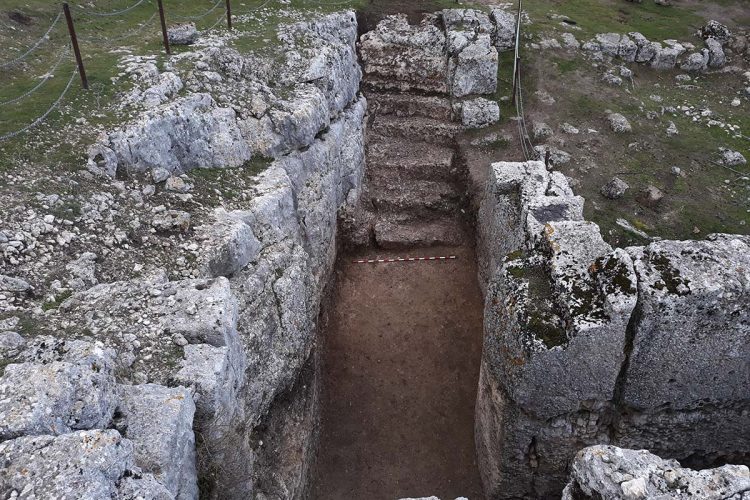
point(103, 40)
point(654, 21)
point(705, 198)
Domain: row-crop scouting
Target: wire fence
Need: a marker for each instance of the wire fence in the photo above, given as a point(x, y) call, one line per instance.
point(36, 45)
point(527, 147)
point(102, 39)
point(89, 37)
point(44, 116)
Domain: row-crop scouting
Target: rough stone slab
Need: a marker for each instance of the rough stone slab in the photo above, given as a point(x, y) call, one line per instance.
point(409, 160)
point(473, 67)
point(74, 388)
point(86, 465)
point(692, 337)
point(159, 422)
point(199, 311)
point(611, 472)
point(395, 235)
point(416, 128)
point(391, 103)
point(229, 245)
point(400, 56)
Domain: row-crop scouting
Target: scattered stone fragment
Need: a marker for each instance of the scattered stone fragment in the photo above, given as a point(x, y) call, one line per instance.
point(567, 128)
point(557, 156)
point(177, 184)
point(609, 472)
point(13, 285)
point(171, 220)
point(612, 79)
point(672, 129)
point(614, 189)
point(11, 344)
point(182, 34)
point(732, 158)
point(159, 174)
point(717, 31)
point(541, 130)
point(618, 123)
point(544, 97)
point(82, 271)
point(651, 196)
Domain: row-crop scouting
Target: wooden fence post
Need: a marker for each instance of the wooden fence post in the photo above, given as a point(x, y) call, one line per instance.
point(163, 27)
point(229, 16)
point(76, 50)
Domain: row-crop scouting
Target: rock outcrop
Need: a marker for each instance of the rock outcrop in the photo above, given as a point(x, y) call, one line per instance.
point(611, 472)
point(584, 344)
point(193, 376)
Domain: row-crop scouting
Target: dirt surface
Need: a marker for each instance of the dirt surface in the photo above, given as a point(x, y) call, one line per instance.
point(402, 354)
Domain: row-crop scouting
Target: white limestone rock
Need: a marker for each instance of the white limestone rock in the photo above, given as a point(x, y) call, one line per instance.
point(609, 472)
point(85, 465)
point(182, 34)
point(618, 123)
point(505, 28)
point(399, 56)
point(57, 387)
point(159, 422)
point(479, 112)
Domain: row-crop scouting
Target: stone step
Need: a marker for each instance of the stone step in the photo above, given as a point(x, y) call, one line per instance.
point(416, 128)
point(416, 199)
point(409, 160)
point(397, 235)
point(387, 103)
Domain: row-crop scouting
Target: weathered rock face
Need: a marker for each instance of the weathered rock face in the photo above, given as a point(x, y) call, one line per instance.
point(195, 374)
point(400, 56)
point(202, 130)
point(611, 472)
point(634, 47)
point(450, 53)
point(585, 345)
point(84, 464)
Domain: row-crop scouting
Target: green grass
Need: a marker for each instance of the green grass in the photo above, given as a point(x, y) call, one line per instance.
point(600, 16)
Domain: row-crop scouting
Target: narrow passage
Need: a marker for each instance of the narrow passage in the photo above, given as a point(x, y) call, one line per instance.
point(402, 355)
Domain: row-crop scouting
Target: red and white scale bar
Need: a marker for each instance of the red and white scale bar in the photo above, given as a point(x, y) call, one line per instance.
point(404, 259)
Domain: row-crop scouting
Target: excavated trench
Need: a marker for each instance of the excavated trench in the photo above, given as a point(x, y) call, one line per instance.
point(401, 341)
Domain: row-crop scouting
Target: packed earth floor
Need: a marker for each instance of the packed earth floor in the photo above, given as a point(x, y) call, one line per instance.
point(401, 366)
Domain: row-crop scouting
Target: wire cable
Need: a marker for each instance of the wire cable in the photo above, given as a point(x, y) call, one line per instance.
point(47, 76)
point(201, 16)
point(33, 47)
point(40, 119)
point(113, 13)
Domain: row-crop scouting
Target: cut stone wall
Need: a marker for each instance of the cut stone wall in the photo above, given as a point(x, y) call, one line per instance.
point(211, 381)
point(645, 347)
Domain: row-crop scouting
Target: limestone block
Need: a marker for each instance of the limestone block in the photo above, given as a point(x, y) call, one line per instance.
point(86, 465)
point(611, 472)
point(159, 422)
point(692, 335)
point(74, 391)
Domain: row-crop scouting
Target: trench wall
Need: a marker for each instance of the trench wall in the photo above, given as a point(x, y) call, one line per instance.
point(169, 389)
point(643, 347)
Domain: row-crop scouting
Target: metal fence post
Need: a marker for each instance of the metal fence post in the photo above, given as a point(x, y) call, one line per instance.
point(163, 26)
point(76, 50)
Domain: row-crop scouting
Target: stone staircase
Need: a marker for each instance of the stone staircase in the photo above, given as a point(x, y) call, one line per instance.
point(415, 188)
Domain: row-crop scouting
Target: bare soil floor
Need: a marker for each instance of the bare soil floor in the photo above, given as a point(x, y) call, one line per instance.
point(402, 353)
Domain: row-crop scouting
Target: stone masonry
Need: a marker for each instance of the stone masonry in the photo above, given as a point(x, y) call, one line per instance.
point(644, 347)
